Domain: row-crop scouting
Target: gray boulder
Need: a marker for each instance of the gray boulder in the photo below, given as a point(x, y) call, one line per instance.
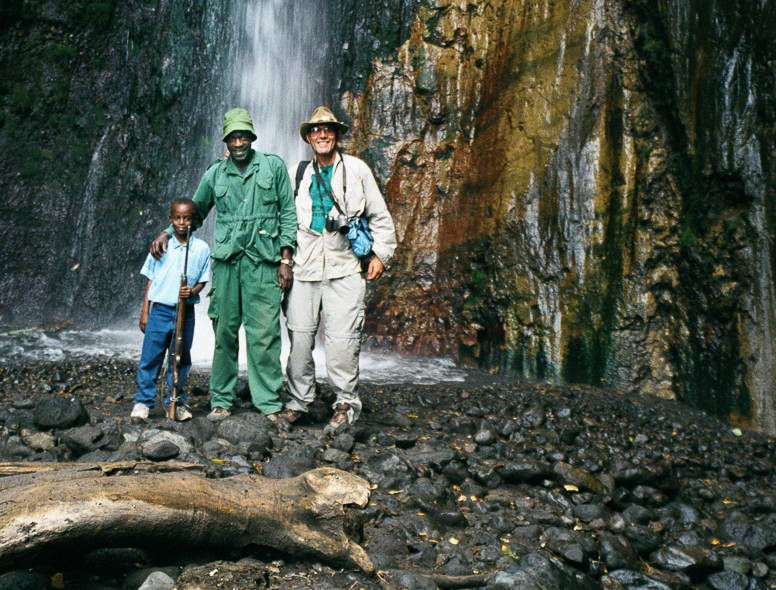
point(537, 572)
point(60, 412)
point(158, 581)
point(84, 439)
point(24, 580)
point(297, 459)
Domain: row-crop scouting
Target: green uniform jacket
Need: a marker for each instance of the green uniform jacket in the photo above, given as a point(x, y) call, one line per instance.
point(256, 212)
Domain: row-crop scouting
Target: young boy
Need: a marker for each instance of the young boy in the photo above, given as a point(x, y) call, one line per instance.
point(158, 318)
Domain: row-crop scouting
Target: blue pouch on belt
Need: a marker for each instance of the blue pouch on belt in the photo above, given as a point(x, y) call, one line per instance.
point(360, 237)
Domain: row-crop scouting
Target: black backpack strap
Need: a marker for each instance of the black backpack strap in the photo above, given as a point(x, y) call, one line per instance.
point(299, 174)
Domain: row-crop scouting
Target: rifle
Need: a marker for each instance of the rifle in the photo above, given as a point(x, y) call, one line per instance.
point(179, 329)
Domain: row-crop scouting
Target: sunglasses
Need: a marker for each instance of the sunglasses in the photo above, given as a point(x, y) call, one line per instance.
point(326, 129)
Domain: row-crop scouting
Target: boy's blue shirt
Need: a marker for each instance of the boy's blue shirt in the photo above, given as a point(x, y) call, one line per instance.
point(165, 274)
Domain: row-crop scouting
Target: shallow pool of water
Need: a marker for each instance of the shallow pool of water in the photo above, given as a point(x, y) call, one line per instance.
point(73, 345)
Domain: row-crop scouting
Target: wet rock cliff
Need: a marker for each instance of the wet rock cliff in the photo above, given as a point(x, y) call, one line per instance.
point(583, 190)
point(105, 110)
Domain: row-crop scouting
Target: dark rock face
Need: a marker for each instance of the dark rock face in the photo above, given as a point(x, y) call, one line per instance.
point(103, 123)
point(581, 193)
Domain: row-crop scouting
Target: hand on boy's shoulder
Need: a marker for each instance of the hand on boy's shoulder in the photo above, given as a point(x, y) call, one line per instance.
point(159, 245)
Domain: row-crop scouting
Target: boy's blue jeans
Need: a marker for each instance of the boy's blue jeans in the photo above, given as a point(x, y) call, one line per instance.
point(159, 337)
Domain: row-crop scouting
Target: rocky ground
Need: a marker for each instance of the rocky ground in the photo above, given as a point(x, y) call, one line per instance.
point(492, 483)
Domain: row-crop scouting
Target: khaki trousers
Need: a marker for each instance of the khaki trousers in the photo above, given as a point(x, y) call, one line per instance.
point(342, 303)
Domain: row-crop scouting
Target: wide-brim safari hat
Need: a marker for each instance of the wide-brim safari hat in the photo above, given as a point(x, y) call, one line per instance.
point(321, 116)
point(238, 120)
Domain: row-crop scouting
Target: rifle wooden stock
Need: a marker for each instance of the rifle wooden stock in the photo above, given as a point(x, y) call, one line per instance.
point(179, 329)
point(178, 352)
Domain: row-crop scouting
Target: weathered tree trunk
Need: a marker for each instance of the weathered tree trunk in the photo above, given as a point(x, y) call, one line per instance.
point(95, 508)
point(39, 473)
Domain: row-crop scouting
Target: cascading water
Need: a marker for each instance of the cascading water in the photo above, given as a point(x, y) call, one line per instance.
point(276, 74)
point(278, 69)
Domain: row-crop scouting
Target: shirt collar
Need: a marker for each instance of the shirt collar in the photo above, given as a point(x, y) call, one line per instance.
point(231, 167)
point(177, 244)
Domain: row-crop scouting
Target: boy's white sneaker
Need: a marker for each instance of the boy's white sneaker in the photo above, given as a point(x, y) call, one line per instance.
point(182, 413)
point(139, 412)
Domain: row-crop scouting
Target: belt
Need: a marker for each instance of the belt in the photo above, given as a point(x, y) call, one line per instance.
point(165, 306)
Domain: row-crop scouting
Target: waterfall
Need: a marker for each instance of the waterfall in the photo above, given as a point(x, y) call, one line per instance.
point(278, 69)
point(82, 248)
point(276, 74)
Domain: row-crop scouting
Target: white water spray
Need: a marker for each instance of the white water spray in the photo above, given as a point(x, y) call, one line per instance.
point(277, 76)
point(278, 69)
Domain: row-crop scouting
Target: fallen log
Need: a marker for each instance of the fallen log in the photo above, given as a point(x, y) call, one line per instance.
point(301, 516)
point(441, 581)
point(39, 473)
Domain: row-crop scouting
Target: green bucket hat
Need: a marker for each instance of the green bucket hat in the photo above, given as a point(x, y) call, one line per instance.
point(238, 120)
point(321, 115)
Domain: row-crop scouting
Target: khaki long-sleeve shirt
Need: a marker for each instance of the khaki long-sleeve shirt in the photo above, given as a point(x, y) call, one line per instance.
point(330, 252)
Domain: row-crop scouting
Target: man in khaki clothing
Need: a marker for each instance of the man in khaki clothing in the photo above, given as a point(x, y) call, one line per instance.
point(328, 275)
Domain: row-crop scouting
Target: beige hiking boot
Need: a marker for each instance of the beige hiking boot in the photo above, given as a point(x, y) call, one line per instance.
point(218, 414)
point(340, 417)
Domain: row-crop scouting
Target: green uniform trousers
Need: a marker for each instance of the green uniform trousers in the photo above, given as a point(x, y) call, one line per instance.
point(247, 293)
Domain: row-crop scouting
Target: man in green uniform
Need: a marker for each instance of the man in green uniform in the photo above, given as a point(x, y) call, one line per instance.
point(255, 238)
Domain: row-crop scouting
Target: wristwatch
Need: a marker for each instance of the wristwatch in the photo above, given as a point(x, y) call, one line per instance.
point(288, 261)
